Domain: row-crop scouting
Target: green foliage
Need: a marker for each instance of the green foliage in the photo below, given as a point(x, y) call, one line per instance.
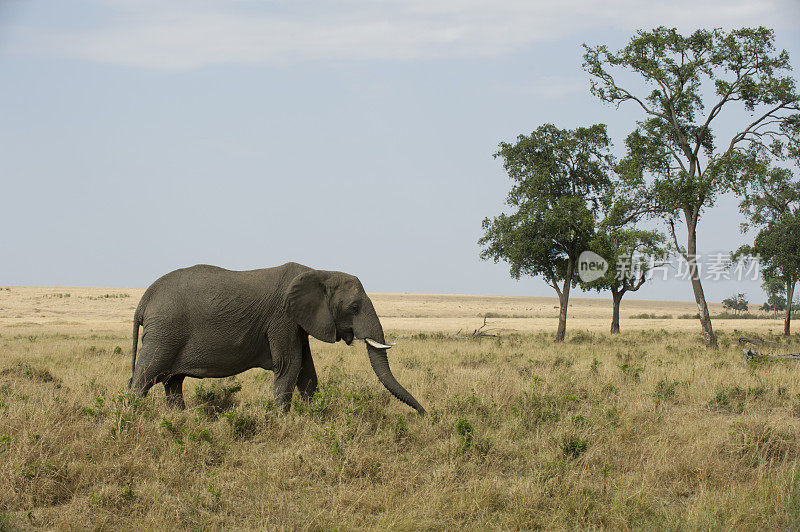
point(776, 302)
point(743, 69)
point(108, 296)
point(120, 410)
point(6, 523)
point(629, 251)
point(759, 361)
point(127, 493)
point(560, 180)
point(777, 245)
point(319, 405)
point(172, 430)
point(200, 435)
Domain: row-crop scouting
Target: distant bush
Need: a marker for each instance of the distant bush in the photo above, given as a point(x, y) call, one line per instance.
point(738, 303)
point(108, 296)
point(741, 316)
point(651, 316)
point(725, 316)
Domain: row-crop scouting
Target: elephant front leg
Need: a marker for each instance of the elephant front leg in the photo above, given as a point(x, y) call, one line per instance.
point(307, 379)
point(285, 383)
point(287, 357)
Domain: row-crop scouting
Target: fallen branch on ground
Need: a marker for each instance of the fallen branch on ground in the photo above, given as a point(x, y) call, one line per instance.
point(477, 333)
point(750, 354)
point(758, 341)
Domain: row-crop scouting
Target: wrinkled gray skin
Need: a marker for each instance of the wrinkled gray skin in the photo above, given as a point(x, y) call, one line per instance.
point(206, 321)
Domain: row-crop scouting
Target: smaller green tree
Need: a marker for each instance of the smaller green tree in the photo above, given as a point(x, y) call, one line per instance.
point(560, 183)
point(771, 201)
point(776, 301)
point(777, 247)
point(631, 254)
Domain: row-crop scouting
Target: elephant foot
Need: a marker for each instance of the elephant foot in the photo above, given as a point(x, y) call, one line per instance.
point(174, 391)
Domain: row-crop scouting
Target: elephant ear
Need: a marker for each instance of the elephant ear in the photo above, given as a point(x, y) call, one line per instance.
point(307, 304)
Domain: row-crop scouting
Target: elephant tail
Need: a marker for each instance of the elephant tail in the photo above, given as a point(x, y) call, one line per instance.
point(137, 321)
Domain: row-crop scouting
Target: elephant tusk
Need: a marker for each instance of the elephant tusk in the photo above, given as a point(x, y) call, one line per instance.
point(377, 345)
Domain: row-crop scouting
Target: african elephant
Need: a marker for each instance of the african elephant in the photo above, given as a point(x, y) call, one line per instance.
point(206, 321)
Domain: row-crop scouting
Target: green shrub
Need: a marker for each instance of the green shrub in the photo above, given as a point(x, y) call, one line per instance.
point(630, 370)
point(573, 446)
point(242, 425)
point(217, 398)
point(400, 428)
point(465, 433)
point(35, 374)
point(734, 398)
point(665, 391)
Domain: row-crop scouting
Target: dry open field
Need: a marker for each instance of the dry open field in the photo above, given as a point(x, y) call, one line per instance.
point(644, 430)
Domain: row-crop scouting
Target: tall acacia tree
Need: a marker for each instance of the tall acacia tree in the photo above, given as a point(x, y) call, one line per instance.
point(673, 158)
point(560, 183)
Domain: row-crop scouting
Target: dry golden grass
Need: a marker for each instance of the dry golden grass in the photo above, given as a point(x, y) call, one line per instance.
point(644, 430)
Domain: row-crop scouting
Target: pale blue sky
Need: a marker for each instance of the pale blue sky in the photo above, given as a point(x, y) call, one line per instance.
point(138, 136)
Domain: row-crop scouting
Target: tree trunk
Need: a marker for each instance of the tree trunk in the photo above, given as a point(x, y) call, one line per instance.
point(617, 299)
point(563, 299)
point(699, 296)
point(787, 322)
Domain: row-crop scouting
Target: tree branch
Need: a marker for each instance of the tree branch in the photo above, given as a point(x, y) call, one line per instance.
point(743, 134)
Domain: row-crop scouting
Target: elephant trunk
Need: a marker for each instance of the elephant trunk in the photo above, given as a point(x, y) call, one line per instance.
point(368, 327)
point(380, 364)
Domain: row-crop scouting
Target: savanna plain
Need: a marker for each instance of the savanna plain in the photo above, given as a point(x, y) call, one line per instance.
point(642, 430)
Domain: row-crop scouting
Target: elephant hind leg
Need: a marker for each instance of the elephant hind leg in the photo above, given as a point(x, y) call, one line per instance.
point(173, 387)
point(153, 364)
point(141, 382)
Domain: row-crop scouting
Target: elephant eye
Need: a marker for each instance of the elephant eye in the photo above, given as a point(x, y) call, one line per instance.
point(354, 307)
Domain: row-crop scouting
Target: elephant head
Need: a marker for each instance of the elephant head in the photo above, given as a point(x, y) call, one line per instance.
point(333, 306)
